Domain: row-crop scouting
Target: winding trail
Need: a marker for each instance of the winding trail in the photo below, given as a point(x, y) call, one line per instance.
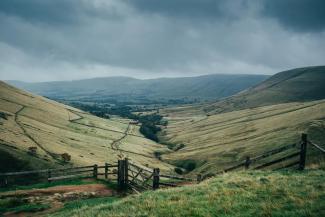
point(21, 126)
point(115, 144)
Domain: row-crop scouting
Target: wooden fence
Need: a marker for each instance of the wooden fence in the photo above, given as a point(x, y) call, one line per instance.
point(129, 175)
point(290, 156)
point(49, 175)
point(139, 178)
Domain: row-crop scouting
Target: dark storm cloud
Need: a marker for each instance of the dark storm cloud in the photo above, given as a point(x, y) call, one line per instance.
point(300, 15)
point(52, 12)
point(193, 9)
point(72, 39)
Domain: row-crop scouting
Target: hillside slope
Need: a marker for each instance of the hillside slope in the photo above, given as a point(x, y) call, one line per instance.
point(228, 195)
point(28, 121)
point(141, 91)
point(270, 115)
point(215, 142)
point(296, 85)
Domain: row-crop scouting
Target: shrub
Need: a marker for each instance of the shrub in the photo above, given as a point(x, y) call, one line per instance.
point(180, 146)
point(158, 155)
point(188, 165)
point(32, 150)
point(66, 157)
point(178, 170)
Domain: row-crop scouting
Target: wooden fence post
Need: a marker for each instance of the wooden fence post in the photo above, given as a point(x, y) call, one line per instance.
point(49, 175)
point(95, 172)
point(155, 183)
point(199, 178)
point(106, 170)
point(126, 172)
point(247, 162)
point(303, 151)
point(121, 174)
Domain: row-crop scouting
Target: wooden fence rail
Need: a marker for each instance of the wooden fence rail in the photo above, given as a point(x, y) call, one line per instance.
point(301, 162)
point(140, 178)
point(27, 177)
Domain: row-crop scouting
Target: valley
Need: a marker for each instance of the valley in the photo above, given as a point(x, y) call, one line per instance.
point(54, 129)
point(190, 143)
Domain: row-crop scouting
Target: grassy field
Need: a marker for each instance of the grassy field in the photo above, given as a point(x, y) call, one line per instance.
point(32, 121)
point(216, 141)
point(212, 136)
point(235, 194)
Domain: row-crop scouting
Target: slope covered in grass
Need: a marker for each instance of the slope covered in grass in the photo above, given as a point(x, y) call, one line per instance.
point(296, 85)
point(270, 115)
point(32, 121)
point(218, 141)
point(234, 194)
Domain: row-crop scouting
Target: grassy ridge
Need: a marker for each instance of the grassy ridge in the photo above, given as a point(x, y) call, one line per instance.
point(296, 85)
point(234, 194)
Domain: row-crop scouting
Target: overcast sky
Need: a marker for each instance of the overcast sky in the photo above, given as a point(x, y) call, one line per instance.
point(43, 40)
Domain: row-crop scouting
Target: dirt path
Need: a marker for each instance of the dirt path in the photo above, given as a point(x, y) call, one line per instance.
point(115, 144)
point(56, 196)
point(99, 189)
point(53, 155)
point(101, 128)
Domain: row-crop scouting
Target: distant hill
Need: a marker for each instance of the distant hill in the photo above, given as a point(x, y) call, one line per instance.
point(31, 121)
point(126, 89)
point(296, 85)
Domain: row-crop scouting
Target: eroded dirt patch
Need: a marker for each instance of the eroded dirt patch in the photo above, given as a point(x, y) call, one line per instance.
point(56, 196)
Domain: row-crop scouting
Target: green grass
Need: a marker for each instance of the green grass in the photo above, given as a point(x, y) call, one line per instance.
point(109, 184)
point(19, 205)
point(87, 203)
point(241, 194)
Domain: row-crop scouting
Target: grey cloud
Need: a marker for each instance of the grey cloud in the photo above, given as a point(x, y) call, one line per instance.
point(204, 10)
point(58, 12)
point(299, 15)
point(151, 38)
point(51, 12)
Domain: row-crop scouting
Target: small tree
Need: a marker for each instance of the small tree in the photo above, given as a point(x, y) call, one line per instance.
point(66, 157)
point(32, 150)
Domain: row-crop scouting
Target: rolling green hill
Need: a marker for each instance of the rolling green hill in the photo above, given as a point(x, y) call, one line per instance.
point(125, 89)
point(27, 121)
point(270, 115)
point(296, 85)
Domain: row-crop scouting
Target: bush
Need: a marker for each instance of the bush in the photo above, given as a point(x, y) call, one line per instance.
point(158, 155)
point(66, 157)
point(149, 131)
point(178, 170)
point(188, 165)
point(32, 150)
point(179, 147)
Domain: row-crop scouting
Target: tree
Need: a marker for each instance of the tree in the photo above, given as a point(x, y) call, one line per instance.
point(66, 157)
point(32, 150)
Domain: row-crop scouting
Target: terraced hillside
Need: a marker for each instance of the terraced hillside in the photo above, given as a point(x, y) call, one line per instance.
point(29, 121)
